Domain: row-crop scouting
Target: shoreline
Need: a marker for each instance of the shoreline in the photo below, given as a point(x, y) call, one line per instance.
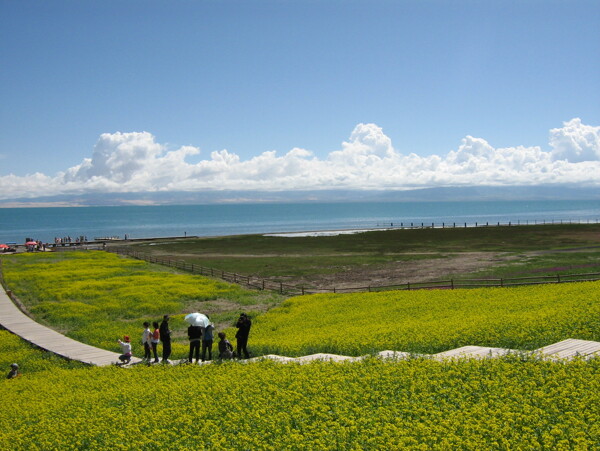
point(311, 233)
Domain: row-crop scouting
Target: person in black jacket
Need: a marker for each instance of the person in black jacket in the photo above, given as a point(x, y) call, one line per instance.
point(243, 325)
point(165, 337)
point(194, 335)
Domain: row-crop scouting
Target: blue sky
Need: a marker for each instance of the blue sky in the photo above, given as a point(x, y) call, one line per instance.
point(247, 77)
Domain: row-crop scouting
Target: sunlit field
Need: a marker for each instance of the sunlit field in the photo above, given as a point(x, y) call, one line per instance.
point(504, 403)
point(431, 321)
point(97, 297)
point(515, 402)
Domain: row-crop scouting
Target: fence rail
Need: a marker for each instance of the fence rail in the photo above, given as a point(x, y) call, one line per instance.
point(463, 224)
point(283, 288)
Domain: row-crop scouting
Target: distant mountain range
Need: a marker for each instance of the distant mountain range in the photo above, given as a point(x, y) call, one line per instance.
point(491, 193)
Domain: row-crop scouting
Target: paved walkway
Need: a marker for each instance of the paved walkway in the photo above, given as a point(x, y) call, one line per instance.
point(12, 319)
point(17, 322)
point(566, 349)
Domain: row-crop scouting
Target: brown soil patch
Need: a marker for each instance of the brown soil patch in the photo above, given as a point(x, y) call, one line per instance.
point(403, 272)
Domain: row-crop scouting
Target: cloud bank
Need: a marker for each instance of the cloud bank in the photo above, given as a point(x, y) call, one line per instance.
point(135, 162)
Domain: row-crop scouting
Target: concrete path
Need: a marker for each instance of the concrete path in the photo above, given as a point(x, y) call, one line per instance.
point(566, 349)
point(12, 319)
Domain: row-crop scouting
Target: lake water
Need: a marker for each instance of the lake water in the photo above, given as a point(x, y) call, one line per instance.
point(45, 224)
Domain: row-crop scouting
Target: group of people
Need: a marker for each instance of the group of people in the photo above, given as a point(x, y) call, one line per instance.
point(68, 240)
point(34, 245)
point(200, 338)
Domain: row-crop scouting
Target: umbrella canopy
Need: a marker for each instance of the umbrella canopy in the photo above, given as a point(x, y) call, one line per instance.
point(4, 246)
point(197, 319)
point(31, 243)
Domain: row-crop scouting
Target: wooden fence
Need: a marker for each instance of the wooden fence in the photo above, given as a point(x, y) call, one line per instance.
point(454, 225)
point(283, 288)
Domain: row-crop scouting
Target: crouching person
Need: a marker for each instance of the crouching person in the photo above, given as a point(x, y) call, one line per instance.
point(225, 348)
point(14, 371)
point(125, 349)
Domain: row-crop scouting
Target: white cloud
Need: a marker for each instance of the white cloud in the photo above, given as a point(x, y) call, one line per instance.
point(575, 142)
point(135, 162)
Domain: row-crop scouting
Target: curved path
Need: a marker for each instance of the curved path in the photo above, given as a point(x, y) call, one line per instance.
point(12, 319)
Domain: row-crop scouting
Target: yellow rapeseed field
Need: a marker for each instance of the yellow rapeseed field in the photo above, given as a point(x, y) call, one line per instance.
point(430, 321)
point(98, 297)
point(515, 402)
point(509, 403)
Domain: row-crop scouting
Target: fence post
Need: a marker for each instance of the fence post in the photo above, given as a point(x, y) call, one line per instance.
point(281, 287)
point(558, 278)
point(234, 278)
point(302, 291)
point(501, 282)
point(452, 283)
point(408, 286)
point(263, 284)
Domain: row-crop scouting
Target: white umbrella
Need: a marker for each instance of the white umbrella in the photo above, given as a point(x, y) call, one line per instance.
point(197, 319)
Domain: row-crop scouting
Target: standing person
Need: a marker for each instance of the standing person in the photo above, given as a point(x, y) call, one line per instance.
point(126, 349)
point(155, 340)
point(194, 335)
point(165, 336)
point(207, 341)
point(147, 340)
point(243, 325)
point(225, 348)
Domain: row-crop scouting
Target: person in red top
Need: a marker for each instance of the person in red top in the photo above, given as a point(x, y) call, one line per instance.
point(155, 340)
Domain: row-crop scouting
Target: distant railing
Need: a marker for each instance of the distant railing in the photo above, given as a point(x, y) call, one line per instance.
point(283, 288)
point(518, 222)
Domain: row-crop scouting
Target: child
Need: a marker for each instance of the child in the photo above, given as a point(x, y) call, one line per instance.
point(126, 348)
point(155, 340)
point(225, 348)
point(14, 371)
point(146, 340)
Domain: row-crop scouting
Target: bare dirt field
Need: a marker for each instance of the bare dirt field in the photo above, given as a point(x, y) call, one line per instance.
point(402, 272)
point(394, 257)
